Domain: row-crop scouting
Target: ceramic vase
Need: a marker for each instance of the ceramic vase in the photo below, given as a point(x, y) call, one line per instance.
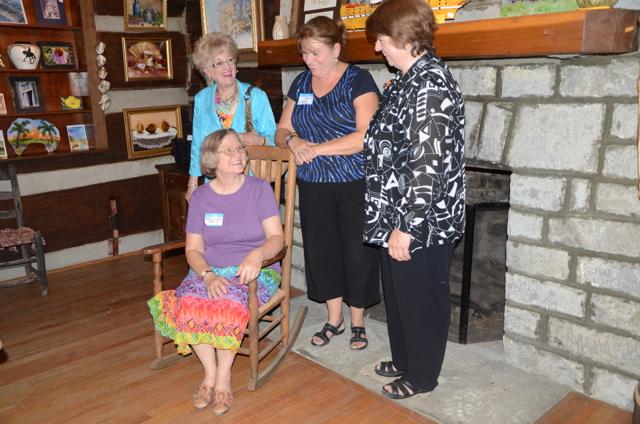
point(280, 28)
point(24, 55)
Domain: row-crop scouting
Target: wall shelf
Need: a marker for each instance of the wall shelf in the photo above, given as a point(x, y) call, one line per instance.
point(580, 32)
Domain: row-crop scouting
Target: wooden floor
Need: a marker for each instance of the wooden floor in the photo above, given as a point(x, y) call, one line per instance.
point(81, 355)
point(576, 408)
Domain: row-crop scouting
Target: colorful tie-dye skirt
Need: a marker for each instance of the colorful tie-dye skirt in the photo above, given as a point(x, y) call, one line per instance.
point(188, 316)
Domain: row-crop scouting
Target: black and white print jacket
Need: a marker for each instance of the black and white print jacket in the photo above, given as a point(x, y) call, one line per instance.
point(414, 150)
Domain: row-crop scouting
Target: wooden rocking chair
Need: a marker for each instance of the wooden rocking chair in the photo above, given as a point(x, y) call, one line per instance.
point(268, 163)
point(18, 237)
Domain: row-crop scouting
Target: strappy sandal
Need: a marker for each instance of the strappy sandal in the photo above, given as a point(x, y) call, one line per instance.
point(203, 397)
point(327, 330)
point(402, 389)
point(222, 402)
point(387, 369)
point(358, 335)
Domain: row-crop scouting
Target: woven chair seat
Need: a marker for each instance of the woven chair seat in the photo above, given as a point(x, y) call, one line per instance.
point(11, 237)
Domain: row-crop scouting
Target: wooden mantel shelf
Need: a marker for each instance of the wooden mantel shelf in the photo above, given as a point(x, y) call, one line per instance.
point(580, 32)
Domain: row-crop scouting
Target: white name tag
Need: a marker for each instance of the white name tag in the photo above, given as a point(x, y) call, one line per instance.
point(213, 219)
point(305, 99)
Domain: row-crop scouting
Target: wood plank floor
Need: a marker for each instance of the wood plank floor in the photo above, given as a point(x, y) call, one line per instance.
point(81, 355)
point(576, 408)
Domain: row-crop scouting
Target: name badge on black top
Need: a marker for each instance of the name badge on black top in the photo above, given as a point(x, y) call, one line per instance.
point(305, 99)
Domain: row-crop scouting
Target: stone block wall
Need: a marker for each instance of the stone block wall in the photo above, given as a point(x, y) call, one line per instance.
point(566, 127)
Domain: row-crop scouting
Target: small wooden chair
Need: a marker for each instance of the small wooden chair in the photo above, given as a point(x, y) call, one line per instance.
point(268, 163)
point(17, 236)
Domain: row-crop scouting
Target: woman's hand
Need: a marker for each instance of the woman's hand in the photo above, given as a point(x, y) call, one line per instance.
point(399, 245)
point(251, 139)
point(216, 285)
point(250, 267)
point(302, 150)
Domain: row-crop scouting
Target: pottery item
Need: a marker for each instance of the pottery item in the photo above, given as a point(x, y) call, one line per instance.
point(280, 28)
point(102, 72)
point(101, 60)
point(24, 55)
point(22, 132)
point(100, 47)
point(105, 102)
point(104, 86)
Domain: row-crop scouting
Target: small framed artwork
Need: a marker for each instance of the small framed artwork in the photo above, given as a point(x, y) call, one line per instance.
point(240, 19)
point(78, 138)
point(147, 59)
point(145, 15)
point(3, 105)
point(3, 147)
point(71, 103)
point(56, 55)
point(50, 12)
point(312, 8)
point(12, 12)
point(27, 95)
point(149, 130)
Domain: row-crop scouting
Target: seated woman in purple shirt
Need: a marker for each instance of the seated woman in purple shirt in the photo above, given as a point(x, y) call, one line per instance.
point(232, 226)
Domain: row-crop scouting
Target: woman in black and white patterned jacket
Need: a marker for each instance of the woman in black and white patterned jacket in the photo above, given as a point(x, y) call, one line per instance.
point(414, 203)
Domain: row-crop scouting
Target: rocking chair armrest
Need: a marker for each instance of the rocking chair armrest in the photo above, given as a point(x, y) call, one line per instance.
point(163, 247)
point(253, 285)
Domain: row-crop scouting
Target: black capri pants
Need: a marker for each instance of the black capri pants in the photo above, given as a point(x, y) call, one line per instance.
point(337, 262)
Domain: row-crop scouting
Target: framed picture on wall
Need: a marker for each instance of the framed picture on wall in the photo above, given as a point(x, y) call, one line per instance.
point(12, 12)
point(50, 12)
point(149, 130)
point(56, 54)
point(145, 15)
point(27, 95)
point(240, 19)
point(147, 59)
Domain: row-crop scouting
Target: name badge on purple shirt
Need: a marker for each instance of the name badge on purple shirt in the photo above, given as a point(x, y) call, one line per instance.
point(213, 219)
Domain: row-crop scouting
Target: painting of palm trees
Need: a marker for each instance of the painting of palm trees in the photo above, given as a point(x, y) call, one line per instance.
point(24, 132)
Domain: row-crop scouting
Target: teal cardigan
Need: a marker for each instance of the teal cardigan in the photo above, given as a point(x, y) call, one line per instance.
point(205, 120)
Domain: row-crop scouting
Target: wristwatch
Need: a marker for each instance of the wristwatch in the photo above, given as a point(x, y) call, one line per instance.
point(289, 137)
point(204, 273)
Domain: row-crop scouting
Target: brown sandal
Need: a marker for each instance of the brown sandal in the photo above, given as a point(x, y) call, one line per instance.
point(203, 397)
point(222, 402)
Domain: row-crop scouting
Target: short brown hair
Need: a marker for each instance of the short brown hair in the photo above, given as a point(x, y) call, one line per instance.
point(209, 155)
point(324, 29)
point(406, 22)
point(211, 45)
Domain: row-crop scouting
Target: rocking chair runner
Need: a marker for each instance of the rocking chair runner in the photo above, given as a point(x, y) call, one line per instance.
point(29, 242)
point(268, 163)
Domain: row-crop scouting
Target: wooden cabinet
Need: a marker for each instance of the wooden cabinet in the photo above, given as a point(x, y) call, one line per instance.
point(173, 186)
point(62, 75)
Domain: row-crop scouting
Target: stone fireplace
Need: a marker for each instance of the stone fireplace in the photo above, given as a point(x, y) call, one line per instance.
point(565, 127)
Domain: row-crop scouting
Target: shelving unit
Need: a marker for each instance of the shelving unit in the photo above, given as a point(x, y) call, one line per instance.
point(80, 81)
point(580, 32)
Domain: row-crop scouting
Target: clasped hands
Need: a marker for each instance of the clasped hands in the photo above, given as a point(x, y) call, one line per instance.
point(303, 150)
point(248, 270)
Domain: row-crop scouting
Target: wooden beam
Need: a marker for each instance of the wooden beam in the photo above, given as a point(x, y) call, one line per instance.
point(586, 31)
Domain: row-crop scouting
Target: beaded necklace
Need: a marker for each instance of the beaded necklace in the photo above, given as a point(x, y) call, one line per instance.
point(225, 108)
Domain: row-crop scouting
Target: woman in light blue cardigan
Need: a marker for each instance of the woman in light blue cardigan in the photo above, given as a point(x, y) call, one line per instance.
point(222, 103)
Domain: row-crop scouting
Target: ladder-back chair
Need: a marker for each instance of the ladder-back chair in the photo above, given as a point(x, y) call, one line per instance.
point(269, 163)
point(15, 236)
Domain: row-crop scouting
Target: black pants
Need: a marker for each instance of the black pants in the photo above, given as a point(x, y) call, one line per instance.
point(416, 295)
point(337, 262)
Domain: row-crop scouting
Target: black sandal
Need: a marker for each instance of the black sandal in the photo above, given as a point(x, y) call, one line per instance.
point(387, 369)
point(358, 335)
point(327, 330)
point(402, 389)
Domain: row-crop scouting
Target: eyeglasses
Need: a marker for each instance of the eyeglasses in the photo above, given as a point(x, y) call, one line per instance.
point(230, 151)
point(220, 63)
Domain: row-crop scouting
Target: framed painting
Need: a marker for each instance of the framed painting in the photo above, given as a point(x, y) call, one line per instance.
point(302, 11)
point(78, 139)
point(27, 95)
point(3, 105)
point(50, 12)
point(12, 12)
point(149, 130)
point(240, 19)
point(145, 15)
point(147, 59)
point(56, 55)
point(3, 147)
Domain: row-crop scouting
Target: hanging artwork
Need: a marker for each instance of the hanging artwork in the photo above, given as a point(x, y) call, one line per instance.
point(23, 132)
point(12, 12)
point(147, 59)
point(145, 15)
point(50, 12)
point(149, 130)
point(240, 19)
